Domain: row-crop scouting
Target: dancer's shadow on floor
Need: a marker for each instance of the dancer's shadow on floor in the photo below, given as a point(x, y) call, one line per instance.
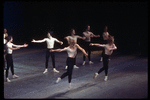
point(72, 90)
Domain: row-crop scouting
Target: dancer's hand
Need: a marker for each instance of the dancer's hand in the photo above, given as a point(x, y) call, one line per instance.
point(86, 54)
point(83, 38)
point(98, 35)
point(61, 43)
point(33, 40)
point(91, 44)
point(25, 45)
point(51, 50)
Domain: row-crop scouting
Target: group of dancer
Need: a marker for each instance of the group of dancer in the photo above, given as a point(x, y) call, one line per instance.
point(109, 46)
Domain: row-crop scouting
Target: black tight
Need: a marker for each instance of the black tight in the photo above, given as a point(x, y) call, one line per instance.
point(70, 63)
point(9, 64)
point(105, 64)
point(48, 53)
point(87, 49)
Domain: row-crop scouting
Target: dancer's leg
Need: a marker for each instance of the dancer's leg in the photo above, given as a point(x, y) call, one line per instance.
point(47, 58)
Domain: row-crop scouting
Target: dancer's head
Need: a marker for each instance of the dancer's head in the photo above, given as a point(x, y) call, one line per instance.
point(105, 29)
point(49, 34)
point(72, 31)
point(5, 30)
point(87, 27)
point(5, 33)
point(110, 39)
point(10, 39)
point(72, 42)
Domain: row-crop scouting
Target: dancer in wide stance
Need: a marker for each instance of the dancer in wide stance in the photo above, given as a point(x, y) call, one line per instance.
point(109, 47)
point(75, 37)
point(72, 51)
point(87, 34)
point(10, 48)
point(50, 45)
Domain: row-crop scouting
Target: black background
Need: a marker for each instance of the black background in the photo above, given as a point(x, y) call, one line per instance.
point(126, 21)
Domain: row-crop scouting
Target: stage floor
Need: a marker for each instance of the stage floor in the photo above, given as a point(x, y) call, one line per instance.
point(127, 77)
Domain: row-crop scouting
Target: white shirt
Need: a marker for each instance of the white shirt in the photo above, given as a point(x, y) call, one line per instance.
point(71, 52)
point(88, 36)
point(4, 41)
point(9, 51)
point(50, 42)
point(106, 46)
point(75, 37)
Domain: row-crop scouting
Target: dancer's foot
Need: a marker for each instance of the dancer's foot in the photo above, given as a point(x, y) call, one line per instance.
point(101, 59)
point(7, 80)
point(15, 76)
point(66, 67)
point(106, 77)
point(55, 70)
point(90, 62)
point(46, 70)
point(76, 66)
point(95, 75)
point(69, 85)
point(58, 79)
point(83, 63)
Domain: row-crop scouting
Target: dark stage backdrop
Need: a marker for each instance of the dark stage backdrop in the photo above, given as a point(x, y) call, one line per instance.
point(126, 21)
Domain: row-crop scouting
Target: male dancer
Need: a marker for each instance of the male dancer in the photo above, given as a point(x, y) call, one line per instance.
point(87, 34)
point(50, 45)
point(75, 37)
point(105, 37)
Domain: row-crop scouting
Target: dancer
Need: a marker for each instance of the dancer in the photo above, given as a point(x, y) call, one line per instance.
point(75, 37)
point(105, 37)
point(87, 34)
point(50, 45)
point(5, 49)
point(10, 48)
point(72, 51)
point(109, 47)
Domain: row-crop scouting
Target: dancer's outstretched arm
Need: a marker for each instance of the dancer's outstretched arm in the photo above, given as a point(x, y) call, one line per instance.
point(59, 41)
point(38, 41)
point(58, 50)
point(93, 35)
point(96, 44)
point(20, 46)
point(82, 50)
point(17, 46)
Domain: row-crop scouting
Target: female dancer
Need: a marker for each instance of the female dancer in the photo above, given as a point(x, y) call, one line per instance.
point(87, 34)
point(109, 47)
point(75, 37)
point(105, 37)
point(50, 45)
point(72, 51)
point(10, 48)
